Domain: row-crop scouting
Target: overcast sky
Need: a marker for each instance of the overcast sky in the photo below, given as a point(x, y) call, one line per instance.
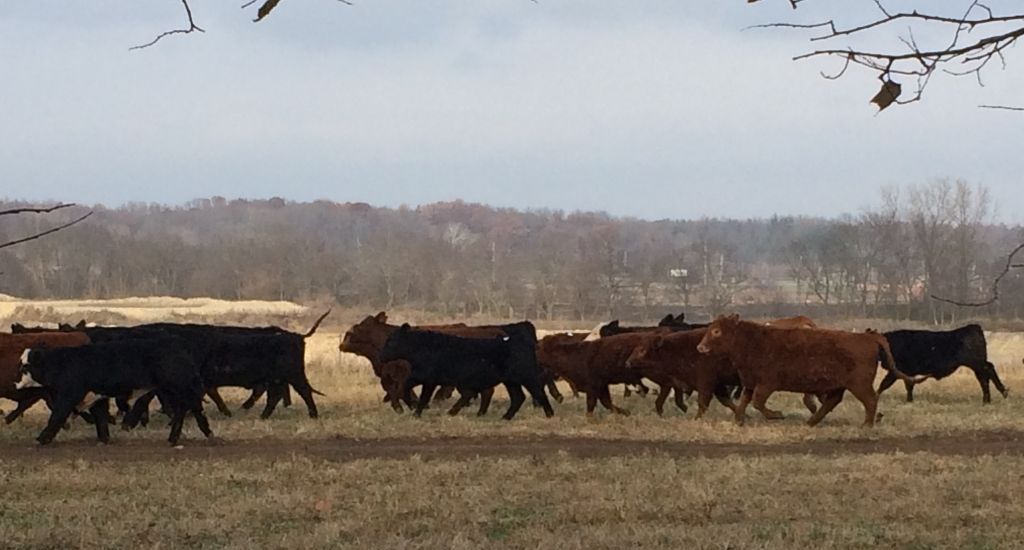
point(652, 109)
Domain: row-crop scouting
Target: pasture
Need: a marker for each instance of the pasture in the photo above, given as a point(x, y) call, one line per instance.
point(944, 471)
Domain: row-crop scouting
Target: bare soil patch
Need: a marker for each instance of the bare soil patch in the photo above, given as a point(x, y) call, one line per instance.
point(343, 449)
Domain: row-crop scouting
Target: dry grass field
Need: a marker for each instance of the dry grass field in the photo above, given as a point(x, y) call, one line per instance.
point(943, 472)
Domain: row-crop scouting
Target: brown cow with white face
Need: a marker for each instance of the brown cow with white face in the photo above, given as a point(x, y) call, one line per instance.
point(822, 362)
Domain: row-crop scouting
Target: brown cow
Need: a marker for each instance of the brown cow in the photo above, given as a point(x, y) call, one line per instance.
point(593, 365)
point(675, 356)
point(822, 362)
point(12, 346)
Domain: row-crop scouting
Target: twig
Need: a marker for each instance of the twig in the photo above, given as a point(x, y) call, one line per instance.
point(44, 233)
point(35, 210)
point(1003, 107)
point(192, 27)
point(995, 284)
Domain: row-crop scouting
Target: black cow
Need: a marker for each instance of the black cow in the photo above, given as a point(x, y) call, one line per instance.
point(937, 354)
point(94, 373)
point(472, 365)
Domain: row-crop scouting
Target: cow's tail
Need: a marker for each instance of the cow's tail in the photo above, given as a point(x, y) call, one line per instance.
point(889, 364)
point(316, 391)
point(316, 325)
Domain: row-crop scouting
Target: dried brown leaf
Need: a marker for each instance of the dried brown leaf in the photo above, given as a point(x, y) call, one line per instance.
point(265, 9)
point(887, 95)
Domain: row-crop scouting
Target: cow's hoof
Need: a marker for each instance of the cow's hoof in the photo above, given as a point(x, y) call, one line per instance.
point(1006, 393)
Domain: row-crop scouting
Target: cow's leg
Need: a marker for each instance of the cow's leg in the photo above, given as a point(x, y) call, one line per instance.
point(305, 391)
point(140, 407)
point(724, 396)
point(760, 401)
point(177, 423)
point(553, 391)
point(101, 412)
point(26, 398)
point(254, 397)
point(286, 396)
point(516, 399)
point(122, 405)
point(869, 399)
point(642, 389)
point(592, 394)
point(909, 385)
point(485, 401)
point(62, 407)
point(273, 398)
point(887, 382)
point(679, 398)
point(810, 402)
point(426, 392)
point(626, 393)
point(740, 413)
point(981, 374)
point(465, 396)
point(829, 402)
point(994, 376)
point(659, 402)
point(536, 390)
point(219, 401)
point(201, 421)
point(444, 394)
point(606, 399)
point(703, 401)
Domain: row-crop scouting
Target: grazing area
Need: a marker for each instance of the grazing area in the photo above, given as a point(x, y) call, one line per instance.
point(938, 472)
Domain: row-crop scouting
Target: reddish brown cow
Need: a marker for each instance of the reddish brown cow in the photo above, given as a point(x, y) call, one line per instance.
point(822, 362)
point(11, 348)
point(675, 356)
point(594, 365)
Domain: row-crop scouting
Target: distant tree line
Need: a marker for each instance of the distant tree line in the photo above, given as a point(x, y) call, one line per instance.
point(463, 259)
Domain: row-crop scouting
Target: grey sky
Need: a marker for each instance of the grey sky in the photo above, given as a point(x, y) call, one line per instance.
point(651, 109)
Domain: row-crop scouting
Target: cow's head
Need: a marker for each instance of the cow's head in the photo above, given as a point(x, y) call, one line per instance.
point(645, 352)
point(29, 359)
point(367, 337)
point(719, 334)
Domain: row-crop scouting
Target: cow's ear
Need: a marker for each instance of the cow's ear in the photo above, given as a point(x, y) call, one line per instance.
point(80, 325)
point(405, 327)
point(381, 317)
point(734, 317)
point(613, 324)
point(681, 317)
point(666, 320)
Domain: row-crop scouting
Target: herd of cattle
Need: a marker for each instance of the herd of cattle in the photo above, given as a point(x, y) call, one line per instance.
point(79, 369)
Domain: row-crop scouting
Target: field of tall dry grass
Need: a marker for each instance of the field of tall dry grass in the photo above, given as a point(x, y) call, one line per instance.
point(942, 472)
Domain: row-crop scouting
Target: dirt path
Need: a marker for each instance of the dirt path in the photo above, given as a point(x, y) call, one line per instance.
point(463, 448)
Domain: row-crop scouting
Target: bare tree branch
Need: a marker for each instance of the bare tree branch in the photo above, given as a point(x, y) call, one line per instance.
point(192, 27)
point(44, 233)
point(36, 210)
point(995, 284)
point(991, 36)
point(1002, 107)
